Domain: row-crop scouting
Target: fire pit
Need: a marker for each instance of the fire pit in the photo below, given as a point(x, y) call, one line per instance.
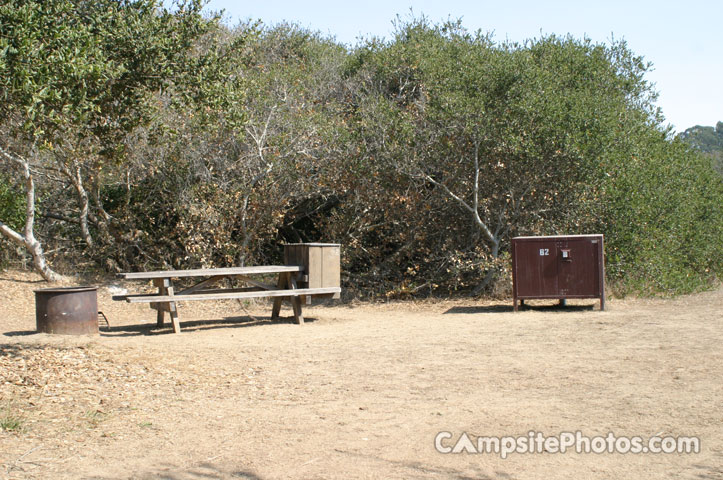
point(67, 310)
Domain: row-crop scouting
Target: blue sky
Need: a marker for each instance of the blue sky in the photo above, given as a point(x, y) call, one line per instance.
point(684, 43)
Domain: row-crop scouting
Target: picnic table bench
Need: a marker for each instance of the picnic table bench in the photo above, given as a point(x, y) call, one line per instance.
point(294, 283)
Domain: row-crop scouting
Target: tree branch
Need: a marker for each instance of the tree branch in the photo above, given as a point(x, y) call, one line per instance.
point(475, 213)
point(12, 234)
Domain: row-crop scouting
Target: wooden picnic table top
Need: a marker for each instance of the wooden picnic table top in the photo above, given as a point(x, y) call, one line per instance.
point(210, 272)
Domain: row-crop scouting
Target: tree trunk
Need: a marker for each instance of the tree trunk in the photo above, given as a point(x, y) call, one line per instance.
point(77, 180)
point(260, 140)
point(103, 218)
point(27, 239)
point(495, 251)
point(84, 208)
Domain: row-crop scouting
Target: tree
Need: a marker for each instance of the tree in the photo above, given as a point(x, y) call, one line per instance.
point(510, 134)
point(75, 77)
point(705, 139)
point(27, 238)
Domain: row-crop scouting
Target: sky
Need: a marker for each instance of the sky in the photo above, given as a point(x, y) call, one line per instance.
point(684, 43)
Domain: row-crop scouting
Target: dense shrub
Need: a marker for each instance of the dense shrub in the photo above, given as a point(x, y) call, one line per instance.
point(422, 154)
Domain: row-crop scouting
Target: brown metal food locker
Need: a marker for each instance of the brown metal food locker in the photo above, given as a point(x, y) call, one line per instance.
point(558, 267)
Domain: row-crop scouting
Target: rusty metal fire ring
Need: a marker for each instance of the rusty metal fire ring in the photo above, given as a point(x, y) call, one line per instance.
point(67, 310)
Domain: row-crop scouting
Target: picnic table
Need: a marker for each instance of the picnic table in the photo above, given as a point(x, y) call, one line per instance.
point(287, 287)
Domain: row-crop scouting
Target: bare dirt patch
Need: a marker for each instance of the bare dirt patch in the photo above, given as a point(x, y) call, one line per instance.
point(358, 392)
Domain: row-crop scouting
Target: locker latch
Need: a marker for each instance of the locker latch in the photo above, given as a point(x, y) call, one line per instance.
point(565, 254)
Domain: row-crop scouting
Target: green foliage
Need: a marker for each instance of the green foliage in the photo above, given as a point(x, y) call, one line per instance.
point(12, 213)
point(89, 66)
point(77, 78)
point(546, 121)
point(663, 218)
point(12, 205)
point(663, 205)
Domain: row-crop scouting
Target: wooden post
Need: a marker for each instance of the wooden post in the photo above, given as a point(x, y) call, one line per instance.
point(168, 285)
point(160, 311)
point(296, 301)
point(174, 317)
point(283, 280)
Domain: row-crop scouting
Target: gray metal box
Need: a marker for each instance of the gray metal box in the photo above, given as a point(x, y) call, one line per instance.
point(321, 263)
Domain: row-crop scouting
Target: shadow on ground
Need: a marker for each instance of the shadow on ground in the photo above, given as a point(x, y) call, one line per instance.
point(416, 469)
point(20, 333)
point(508, 308)
point(197, 325)
point(29, 282)
point(205, 471)
point(188, 326)
point(413, 469)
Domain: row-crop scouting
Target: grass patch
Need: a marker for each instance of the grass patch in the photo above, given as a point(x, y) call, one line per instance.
point(10, 421)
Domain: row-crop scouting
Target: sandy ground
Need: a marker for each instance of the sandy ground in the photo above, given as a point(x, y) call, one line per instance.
point(360, 391)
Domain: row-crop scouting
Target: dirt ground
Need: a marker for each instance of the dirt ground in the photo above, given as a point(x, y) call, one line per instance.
point(360, 391)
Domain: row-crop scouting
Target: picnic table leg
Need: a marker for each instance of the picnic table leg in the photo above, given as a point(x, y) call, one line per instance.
point(296, 301)
point(174, 317)
point(160, 308)
point(277, 300)
point(172, 310)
